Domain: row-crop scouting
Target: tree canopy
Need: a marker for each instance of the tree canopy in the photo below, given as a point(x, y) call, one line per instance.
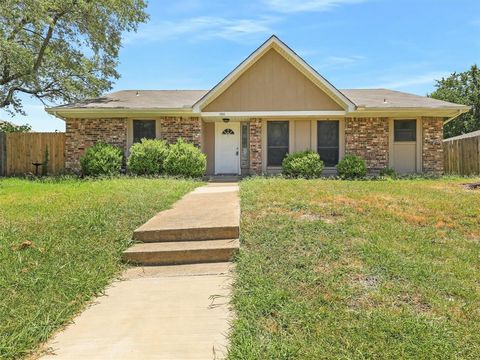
point(62, 50)
point(461, 88)
point(8, 127)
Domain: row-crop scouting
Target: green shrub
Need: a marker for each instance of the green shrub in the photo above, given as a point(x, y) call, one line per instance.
point(351, 167)
point(101, 159)
point(147, 157)
point(185, 160)
point(388, 172)
point(303, 164)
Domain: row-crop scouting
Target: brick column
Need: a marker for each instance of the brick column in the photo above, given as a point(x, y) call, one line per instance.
point(189, 129)
point(80, 134)
point(368, 138)
point(255, 146)
point(432, 145)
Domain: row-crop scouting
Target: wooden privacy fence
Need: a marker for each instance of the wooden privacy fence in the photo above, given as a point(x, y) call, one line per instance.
point(462, 154)
point(19, 150)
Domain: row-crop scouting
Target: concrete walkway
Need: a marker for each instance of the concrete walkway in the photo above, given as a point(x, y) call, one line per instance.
point(161, 312)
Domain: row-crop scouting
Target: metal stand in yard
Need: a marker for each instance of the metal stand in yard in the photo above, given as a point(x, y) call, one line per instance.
point(36, 164)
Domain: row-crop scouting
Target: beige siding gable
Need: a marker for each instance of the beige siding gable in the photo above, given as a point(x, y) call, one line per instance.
point(272, 84)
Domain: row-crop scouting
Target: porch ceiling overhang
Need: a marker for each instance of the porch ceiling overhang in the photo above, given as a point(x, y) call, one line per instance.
point(275, 43)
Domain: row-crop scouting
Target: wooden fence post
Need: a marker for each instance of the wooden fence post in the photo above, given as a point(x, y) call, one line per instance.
point(3, 154)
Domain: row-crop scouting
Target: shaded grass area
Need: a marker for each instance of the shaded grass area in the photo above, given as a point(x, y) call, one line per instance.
point(60, 244)
point(358, 270)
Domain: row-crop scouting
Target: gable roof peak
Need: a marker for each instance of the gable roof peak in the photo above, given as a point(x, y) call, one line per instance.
point(292, 57)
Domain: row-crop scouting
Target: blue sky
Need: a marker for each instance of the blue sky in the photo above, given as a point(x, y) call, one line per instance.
point(397, 44)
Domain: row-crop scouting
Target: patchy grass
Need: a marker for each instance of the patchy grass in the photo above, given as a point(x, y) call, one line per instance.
point(358, 270)
point(60, 245)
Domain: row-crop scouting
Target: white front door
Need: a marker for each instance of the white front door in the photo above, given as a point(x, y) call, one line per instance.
point(227, 148)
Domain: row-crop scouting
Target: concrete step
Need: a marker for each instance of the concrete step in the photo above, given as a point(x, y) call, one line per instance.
point(224, 178)
point(182, 252)
point(146, 234)
point(207, 213)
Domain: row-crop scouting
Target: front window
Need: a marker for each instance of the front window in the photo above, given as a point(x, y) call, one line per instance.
point(143, 129)
point(328, 141)
point(277, 142)
point(405, 130)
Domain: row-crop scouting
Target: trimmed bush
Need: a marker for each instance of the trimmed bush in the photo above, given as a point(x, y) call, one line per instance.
point(147, 157)
point(352, 167)
point(185, 160)
point(101, 159)
point(303, 164)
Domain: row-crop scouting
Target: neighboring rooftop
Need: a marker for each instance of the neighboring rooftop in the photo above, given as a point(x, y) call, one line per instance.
point(184, 99)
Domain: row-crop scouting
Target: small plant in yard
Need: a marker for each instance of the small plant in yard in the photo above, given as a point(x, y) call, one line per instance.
point(388, 172)
point(303, 164)
point(46, 159)
point(185, 160)
point(147, 157)
point(101, 159)
point(352, 167)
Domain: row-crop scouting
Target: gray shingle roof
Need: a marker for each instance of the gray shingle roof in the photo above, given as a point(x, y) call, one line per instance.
point(141, 99)
point(384, 98)
point(182, 99)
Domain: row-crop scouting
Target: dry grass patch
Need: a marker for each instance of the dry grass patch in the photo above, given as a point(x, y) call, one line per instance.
point(358, 270)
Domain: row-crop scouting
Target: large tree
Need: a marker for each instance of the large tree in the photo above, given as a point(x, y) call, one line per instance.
point(461, 88)
point(61, 50)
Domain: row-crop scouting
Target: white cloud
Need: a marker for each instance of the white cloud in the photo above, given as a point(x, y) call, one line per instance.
point(343, 60)
point(203, 28)
point(475, 22)
point(404, 82)
point(288, 6)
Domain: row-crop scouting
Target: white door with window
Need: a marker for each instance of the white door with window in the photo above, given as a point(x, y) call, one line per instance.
point(405, 146)
point(227, 148)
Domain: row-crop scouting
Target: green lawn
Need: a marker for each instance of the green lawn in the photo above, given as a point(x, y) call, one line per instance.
point(60, 244)
point(358, 270)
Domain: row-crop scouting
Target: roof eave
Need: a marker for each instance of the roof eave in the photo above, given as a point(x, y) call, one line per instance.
point(450, 112)
point(66, 113)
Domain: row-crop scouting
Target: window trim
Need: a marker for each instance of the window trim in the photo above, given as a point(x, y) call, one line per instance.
point(266, 141)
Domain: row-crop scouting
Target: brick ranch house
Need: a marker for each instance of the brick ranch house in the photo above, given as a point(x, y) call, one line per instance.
point(271, 104)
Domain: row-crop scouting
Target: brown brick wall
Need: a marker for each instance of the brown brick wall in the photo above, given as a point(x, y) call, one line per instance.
point(81, 134)
point(432, 145)
point(189, 129)
point(255, 146)
point(368, 138)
